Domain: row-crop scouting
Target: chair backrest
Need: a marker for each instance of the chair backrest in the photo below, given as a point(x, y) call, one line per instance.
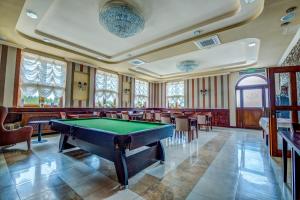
point(3, 114)
point(165, 119)
point(108, 114)
point(96, 113)
point(182, 123)
point(149, 116)
point(201, 119)
point(114, 115)
point(63, 115)
point(209, 114)
point(125, 116)
point(157, 116)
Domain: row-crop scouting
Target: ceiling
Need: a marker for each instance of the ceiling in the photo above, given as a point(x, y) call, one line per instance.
point(238, 53)
point(74, 32)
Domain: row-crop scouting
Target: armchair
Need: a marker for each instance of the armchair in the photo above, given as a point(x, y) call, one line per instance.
point(8, 137)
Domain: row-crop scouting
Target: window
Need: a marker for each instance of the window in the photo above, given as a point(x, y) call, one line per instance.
point(175, 94)
point(251, 92)
point(106, 89)
point(141, 94)
point(42, 81)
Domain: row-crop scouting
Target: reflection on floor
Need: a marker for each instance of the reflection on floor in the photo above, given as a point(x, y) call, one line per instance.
point(223, 164)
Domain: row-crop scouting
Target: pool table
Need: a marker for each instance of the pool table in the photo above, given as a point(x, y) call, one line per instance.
point(114, 139)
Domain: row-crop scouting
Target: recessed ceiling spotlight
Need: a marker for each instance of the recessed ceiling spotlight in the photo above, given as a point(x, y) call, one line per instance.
point(252, 44)
point(136, 62)
point(196, 33)
point(249, 1)
point(46, 40)
point(31, 14)
point(288, 17)
point(291, 9)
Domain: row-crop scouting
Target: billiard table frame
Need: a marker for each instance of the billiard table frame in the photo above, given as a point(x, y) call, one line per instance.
point(116, 148)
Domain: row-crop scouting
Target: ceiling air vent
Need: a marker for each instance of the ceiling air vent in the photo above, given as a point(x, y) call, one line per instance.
point(136, 62)
point(208, 42)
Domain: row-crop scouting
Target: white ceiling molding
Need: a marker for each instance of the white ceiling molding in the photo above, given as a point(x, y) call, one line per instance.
point(290, 47)
point(238, 53)
point(81, 32)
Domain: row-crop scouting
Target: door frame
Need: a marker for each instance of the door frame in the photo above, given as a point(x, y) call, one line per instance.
point(293, 107)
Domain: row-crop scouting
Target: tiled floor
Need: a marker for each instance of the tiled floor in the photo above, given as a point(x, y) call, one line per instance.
point(223, 164)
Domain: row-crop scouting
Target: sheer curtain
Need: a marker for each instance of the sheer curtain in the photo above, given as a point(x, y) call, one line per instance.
point(175, 94)
point(106, 94)
point(141, 93)
point(42, 77)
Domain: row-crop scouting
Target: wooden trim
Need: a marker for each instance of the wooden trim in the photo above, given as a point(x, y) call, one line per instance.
point(3, 63)
point(274, 151)
point(216, 91)
point(72, 84)
point(17, 78)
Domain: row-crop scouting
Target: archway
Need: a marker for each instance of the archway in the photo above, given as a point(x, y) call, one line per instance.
point(251, 100)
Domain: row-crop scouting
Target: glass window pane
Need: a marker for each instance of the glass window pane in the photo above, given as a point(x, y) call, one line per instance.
point(252, 98)
point(175, 94)
point(252, 80)
point(106, 94)
point(42, 80)
point(238, 98)
point(282, 87)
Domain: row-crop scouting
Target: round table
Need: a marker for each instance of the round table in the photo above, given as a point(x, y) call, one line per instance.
point(39, 123)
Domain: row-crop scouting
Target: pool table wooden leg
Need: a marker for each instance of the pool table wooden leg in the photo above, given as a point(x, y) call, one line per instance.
point(160, 152)
point(121, 167)
point(63, 143)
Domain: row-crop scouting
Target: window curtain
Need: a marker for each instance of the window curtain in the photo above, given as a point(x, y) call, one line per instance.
point(42, 76)
point(106, 89)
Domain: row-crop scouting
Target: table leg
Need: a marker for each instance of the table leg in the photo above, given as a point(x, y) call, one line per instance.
point(39, 140)
point(284, 159)
point(296, 175)
point(121, 167)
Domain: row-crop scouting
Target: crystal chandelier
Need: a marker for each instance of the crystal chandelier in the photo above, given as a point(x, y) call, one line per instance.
point(187, 65)
point(121, 19)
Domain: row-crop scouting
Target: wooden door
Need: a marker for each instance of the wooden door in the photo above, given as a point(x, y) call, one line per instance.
point(251, 92)
point(249, 117)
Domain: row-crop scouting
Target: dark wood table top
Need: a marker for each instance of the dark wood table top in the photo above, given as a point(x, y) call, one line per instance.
point(39, 122)
point(293, 139)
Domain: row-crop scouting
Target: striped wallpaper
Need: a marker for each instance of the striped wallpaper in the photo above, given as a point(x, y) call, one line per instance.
point(216, 98)
point(10, 58)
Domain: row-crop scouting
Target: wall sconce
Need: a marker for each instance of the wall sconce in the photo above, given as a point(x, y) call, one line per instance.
point(82, 86)
point(126, 91)
point(204, 92)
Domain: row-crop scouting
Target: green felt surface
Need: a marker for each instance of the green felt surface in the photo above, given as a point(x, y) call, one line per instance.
point(113, 125)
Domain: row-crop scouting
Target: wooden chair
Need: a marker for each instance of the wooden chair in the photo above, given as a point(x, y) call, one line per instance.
point(209, 119)
point(63, 115)
point(10, 137)
point(108, 114)
point(157, 116)
point(125, 115)
point(202, 122)
point(114, 115)
point(165, 118)
point(183, 125)
point(149, 116)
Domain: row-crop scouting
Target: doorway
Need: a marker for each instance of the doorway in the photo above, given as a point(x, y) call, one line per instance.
point(251, 100)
